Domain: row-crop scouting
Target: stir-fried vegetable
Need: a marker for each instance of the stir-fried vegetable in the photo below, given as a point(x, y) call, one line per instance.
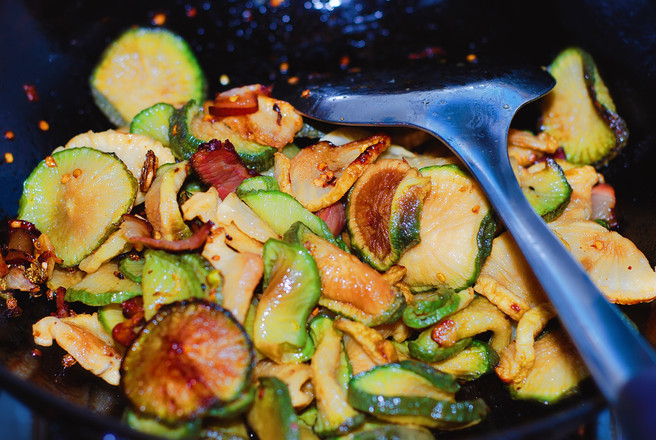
point(370, 279)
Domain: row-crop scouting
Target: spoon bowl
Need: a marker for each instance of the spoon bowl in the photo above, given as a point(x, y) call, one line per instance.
point(470, 109)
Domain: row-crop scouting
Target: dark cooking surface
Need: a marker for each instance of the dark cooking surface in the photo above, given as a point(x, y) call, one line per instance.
point(53, 45)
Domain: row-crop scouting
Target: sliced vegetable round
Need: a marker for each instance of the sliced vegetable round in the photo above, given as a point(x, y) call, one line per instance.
point(105, 286)
point(190, 357)
point(579, 111)
point(66, 197)
point(546, 188)
point(142, 67)
point(154, 121)
point(383, 211)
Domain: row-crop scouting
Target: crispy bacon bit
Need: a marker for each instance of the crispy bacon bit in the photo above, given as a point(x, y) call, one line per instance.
point(334, 216)
point(30, 92)
point(63, 310)
point(189, 244)
point(239, 101)
point(218, 164)
point(125, 332)
point(305, 93)
point(12, 305)
point(148, 171)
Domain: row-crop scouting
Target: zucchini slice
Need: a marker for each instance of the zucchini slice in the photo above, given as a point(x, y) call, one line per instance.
point(348, 286)
point(409, 392)
point(142, 67)
point(372, 430)
point(546, 188)
point(131, 267)
point(428, 308)
point(162, 208)
point(383, 212)
point(192, 356)
point(66, 197)
point(110, 316)
point(167, 278)
point(190, 127)
point(579, 111)
point(456, 232)
point(105, 286)
point(291, 290)
point(150, 425)
point(471, 363)
point(154, 121)
point(556, 372)
point(281, 211)
point(330, 380)
point(272, 416)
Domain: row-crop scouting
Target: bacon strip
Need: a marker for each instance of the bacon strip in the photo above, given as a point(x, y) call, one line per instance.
point(335, 217)
point(218, 164)
point(196, 241)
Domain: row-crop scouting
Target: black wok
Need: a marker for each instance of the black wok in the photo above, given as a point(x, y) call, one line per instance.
point(53, 45)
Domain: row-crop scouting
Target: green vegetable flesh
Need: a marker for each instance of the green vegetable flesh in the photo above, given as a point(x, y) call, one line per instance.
point(154, 121)
point(66, 197)
point(192, 356)
point(142, 67)
point(579, 112)
point(547, 190)
point(109, 316)
point(330, 380)
point(414, 393)
point(291, 290)
point(471, 363)
point(132, 268)
point(272, 415)
point(281, 211)
point(429, 308)
point(426, 349)
point(181, 141)
point(166, 279)
point(383, 212)
point(257, 183)
point(103, 287)
point(162, 208)
point(457, 228)
point(236, 407)
point(152, 426)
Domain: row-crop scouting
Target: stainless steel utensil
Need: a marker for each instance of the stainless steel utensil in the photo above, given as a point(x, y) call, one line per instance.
point(470, 109)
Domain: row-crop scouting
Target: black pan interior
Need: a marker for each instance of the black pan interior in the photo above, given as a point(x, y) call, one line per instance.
point(53, 45)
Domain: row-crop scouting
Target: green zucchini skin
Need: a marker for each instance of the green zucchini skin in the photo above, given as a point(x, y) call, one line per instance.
point(291, 291)
point(154, 121)
point(547, 190)
point(431, 307)
point(257, 183)
point(370, 392)
point(426, 349)
point(272, 415)
point(181, 141)
point(103, 287)
point(151, 425)
point(236, 407)
point(131, 268)
point(166, 279)
point(471, 363)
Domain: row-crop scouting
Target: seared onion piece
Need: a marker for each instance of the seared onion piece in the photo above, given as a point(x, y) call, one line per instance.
point(334, 216)
point(218, 164)
point(196, 241)
point(148, 171)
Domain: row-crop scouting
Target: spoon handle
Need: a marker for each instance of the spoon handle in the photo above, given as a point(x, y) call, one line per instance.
point(618, 358)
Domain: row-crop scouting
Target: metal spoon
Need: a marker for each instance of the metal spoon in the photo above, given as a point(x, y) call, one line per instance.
point(470, 110)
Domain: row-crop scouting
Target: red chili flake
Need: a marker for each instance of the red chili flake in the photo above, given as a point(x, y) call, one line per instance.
point(428, 52)
point(50, 161)
point(43, 125)
point(344, 62)
point(515, 308)
point(159, 19)
point(306, 93)
point(442, 331)
point(191, 11)
point(30, 92)
point(36, 353)
point(9, 135)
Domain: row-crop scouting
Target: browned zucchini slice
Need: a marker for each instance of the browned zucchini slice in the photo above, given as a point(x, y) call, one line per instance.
point(192, 356)
point(580, 113)
point(348, 286)
point(383, 211)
